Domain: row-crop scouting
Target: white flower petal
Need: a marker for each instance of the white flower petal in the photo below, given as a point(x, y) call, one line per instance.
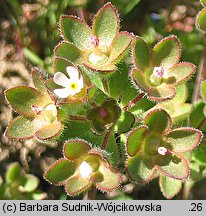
point(63, 93)
point(81, 82)
point(73, 73)
point(61, 79)
point(85, 170)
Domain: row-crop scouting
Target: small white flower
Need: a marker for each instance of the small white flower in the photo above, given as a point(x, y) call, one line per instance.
point(85, 170)
point(164, 151)
point(158, 72)
point(72, 85)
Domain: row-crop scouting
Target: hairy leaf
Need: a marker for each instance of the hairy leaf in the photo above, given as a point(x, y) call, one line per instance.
point(135, 140)
point(166, 53)
point(140, 169)
point(184, 139)
point(60, 171)
point(111, 179)
point(141, 54)
point(76, 31)
point(74, 149)
point(158, 120)
point(106, 24)
point(169, 187)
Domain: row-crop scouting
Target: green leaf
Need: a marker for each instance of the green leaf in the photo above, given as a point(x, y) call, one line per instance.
point(106, 24)
point(135, 140)
point(80, 129)
point(174, 166)
point(60, 65)
point(60, 171)
point(96, 79)
point(181, 93)
point(169, 187)
point(158, 120)
point(203, 90)
point(198, 154)
point(76, 185)
point(129, 6)
point(33, 57)
point(22, 98)
point(98, 126)
point(30, 183)
point(177, 108)
point(125, 122)
point(159, 93)
point(111, 179)
point(23, 128)
point(201, 20)
point(125, 91)
point(141, 107)
point(13, 173)
point(203, 2)
point(51, 85)
point(195, 171)
point(166, 53)
point(140, 169)
point(141, 54)
point(49, 131)
point(181, 116)
point(38, 196)
point(39, 84)
point(106, 68)
point(183, 139)
point(74, 149)
point(68, 51)
point(76, 31)
point(123, 197)
point(119, 45)
point(197, 116)
point(181, 72)
point(112, 149)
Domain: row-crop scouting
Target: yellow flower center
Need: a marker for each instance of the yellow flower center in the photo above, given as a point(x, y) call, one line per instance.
point(73, 86)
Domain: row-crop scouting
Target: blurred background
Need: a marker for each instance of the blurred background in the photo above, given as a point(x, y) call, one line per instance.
point(28, 35)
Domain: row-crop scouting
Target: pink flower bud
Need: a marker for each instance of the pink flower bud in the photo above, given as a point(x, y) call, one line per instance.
point(163, 151)
point(94, 40)
point(36, 109)
point(158, 72)
point(102, 113)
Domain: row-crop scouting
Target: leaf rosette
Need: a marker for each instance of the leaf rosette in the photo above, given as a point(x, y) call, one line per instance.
point(81, 168)
point(98, 48)
point(154, 146)
point(38, 112)
point(158, 71)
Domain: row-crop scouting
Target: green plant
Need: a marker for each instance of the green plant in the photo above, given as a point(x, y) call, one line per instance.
point(108, 99)
point(19, 185)
point(201, 17)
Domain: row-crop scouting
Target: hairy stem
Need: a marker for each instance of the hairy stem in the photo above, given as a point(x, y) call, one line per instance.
point(77, 118)
point(105, 86)
point(200, 76)
point(91, 194)
point(121, 155)
point(186, 190)
point(93, 103)
point(134, 101)
point(80, 13)
point(105, 140)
